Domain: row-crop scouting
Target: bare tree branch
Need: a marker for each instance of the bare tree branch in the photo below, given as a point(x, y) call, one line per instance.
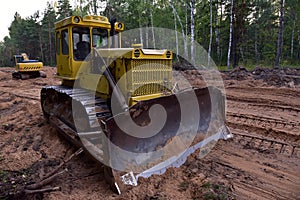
point(42, 190)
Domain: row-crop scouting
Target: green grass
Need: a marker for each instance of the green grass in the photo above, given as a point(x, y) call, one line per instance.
point(212, 191)
point(222, 68)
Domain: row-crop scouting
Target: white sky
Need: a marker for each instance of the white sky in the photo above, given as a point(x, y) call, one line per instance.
point(24, 8)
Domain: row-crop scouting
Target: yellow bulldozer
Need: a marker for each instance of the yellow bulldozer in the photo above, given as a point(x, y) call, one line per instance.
point(120, 106)
point(26, 68)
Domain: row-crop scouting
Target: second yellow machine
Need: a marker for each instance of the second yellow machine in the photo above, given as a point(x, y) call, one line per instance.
point(26, 68)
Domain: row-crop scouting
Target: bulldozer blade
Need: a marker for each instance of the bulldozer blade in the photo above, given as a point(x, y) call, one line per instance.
point(131, 179)
point(160, 133)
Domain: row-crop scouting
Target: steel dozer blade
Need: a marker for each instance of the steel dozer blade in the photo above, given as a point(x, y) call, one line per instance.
point(160, 133)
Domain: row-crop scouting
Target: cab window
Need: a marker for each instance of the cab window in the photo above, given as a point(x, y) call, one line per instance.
point(57, 43)
point(65, 42)
point(100, 38)
point(81, 42)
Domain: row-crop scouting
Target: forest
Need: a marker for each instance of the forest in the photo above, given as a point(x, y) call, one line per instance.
point(233, 32)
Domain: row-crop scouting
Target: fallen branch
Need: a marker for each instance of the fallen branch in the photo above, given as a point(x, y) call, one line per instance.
point(52, 175)
point(45, 181)
point(80, 150)
point(42, 190)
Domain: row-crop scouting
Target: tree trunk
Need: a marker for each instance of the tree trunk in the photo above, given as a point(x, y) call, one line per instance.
point(192, 32)
point(211, 34)
point(292, 40)
point(238, 26)
point(256, 48)
point(144, 4)
point(184, 36)
point(41, 44)
point(280, 30)
point(186, 53)
point(217, 33)
point(242, 53)
point(147, 36)
point(80, 7)
point(299, 45)
point(95, 6)
point(230, 35)
point(220, 25)
point(256, 34)
point(141, 31)
point(176, 35)
point(50, 42)
point(152, 28)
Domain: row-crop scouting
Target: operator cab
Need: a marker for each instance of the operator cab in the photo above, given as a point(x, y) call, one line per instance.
point(19, 58)
point(75, 39)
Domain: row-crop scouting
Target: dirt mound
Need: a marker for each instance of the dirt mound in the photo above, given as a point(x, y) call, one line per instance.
point(278, 77)
point(239, 73)
point(286, 77)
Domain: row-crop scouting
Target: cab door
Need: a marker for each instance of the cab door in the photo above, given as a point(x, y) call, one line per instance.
point(63, 57)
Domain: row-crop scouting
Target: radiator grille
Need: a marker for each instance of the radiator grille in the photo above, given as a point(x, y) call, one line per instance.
point(150, 76)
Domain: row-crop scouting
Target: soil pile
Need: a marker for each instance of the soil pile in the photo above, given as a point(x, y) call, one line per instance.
point(286, 77)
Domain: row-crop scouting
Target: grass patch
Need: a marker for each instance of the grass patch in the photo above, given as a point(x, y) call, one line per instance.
point(223, 68)
point(212, 191)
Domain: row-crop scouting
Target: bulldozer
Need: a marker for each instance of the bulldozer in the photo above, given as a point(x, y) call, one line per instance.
point(120, 105)
point(26, 68)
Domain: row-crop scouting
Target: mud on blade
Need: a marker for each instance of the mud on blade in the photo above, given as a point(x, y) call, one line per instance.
point(161, 133)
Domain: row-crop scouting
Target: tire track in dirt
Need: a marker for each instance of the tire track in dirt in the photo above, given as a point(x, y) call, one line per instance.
point(262, 160)
point(265, 127)
point(272, 112)
point(269, 96)
point(248, 168)
point(266, 144)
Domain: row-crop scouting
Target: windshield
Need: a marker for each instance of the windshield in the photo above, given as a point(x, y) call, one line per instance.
point(100, 38)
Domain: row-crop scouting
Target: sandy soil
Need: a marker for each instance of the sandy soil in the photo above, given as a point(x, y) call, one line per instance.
point(262, 161)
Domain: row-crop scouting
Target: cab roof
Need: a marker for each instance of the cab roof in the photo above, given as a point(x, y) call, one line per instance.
point(88, 20)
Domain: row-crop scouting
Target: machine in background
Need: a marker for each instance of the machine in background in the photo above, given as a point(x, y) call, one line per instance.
point(26, 68)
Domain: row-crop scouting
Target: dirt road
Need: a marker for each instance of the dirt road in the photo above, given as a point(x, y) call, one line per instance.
point(261, 162)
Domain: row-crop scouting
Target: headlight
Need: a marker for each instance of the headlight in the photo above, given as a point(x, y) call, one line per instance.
point(137, 53)
point(76, 19)
point(168, 54)
point(119, 26)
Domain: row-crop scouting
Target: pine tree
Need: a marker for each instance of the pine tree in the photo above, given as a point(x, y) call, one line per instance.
point(64, 9)
point(48, 35)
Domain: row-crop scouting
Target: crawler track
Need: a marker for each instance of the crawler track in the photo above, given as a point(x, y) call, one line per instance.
point(67, 102)
point(87, 129)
